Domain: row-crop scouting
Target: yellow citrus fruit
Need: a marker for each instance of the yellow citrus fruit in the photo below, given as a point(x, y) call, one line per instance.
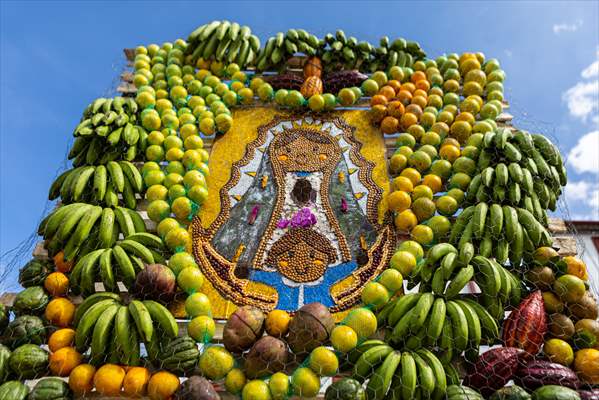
point(397, 163)
point(392, 279)
point(405, 221)
point(279, 386)
point(108, 379)
point(201, 328)
point(60, 312)
point(256, 390)
point(559, 351)
point(57, 284)
point(412, 247)
point(586, 364)
point(412, 174)
point(305, 383)
point(399, 201)
point(235, 381)
point(277, 323)
point(449, 152)
point(81, 379)
point(162, 386)
point(323, 361)
point(403, 183)
point(422, 191)
point(553, 304)
point(64, 360)
point(375, 294)
point(216, 362)
point(61, 338)
point(576, 267)
point(404, 261)
point(423, 208)
point(447, 205)
point(344, 338)
point(136, 381)
point(362, 321)
point(422, 234)
point(434, 182)
point(569, 288)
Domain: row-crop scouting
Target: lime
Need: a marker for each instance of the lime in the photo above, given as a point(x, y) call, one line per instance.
point(256, 390)
point(330, 102)
point(391, 279)
point(177, 238)
point(198, 194)
point(370, 87)
point(215, 362)
point(323, 361)
point(440, 225)
point(182, 259)
point(412, 247)
point(424, 208)
point(176, 191)
point(316, 102)
point(294, 98)
point(569, 288)
point(155, 138)
point(422, 234)
point(193, 178)
point(281, 97)
point(279, 386)
point(447, 205)
point(347, 97)
point(235, 381)
point(172, 179)
point(158, 210)
point(156, 192)
point(190, 279)
point(192, 159)
point(404, 261)
point(422, 191)
point(379, 77)
point(155, 153)
point(558, 351)
point(182, 208)
point(265, 92)
point(165, 226)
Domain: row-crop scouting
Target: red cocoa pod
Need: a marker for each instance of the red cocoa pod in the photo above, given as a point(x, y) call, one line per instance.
point(526, 326)
point(592, 394)
point(493, 369)
point(541, 373)
point(289, 81)
point(335, 81)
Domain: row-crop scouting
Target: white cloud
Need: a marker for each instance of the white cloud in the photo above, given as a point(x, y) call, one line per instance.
point(508, 53)
point(583, 195)
point(583, 99)
point(591, 71)
point(584, 157)
point(565, 27)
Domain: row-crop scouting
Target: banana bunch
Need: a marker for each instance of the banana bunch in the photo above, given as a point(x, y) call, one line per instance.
point(422, 319)
point(79, 228)
point(108, 131)
point(392, 374)
point(520, 169)
point(113, 330)
point(224, 41)
point(99, 184)
point(121, 262)
point(400, 52)
point(446, 271)
point(503, 232)
point(345, 52)
point(279, 48)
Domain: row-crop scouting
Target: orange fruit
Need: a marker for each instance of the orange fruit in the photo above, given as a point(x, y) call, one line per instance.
point(415, 108)
point(422, 191)
point(412, 174)
point(423, 208)
point(57, 284)
point(445, 117)
point(423, 85)
point(162, 385)
point(408, 119)
point(404, 96)
point(395, 84)
point(277, 323)
point(378, 99)
point(461, 130)
point(420, 93)
point(569, 288)
point(471, 88)
point(447, 205)
point(451, 142)
point(422, 234)
point(576, 267)
point(387, 91)
point(586, 364)
point(436, 91)
point(449, 152)
point(399, 201)
point(62, 265)
point(389, 125)
point(344, 338)
point(60, 312)
point(418, 76)
point(405, 221)
point(81, 379)
point(558, 351)
point(409, 86)
point(434, 182)
point(420, 160)
point(416, 130)
point(441, 128)
point(378, 112)
point(64, 360)
point(451, 85)
point(108, 379)
point(403, 183)
point(397, 163)
point(136, 381)
point(469, 65)
point(61, 338)
point(395, 109)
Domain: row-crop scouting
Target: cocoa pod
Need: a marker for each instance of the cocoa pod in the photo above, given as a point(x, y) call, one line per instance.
point(312, 85)
point(289, 81)
point(493, 369)
point(335, 81)
point(526, 326)
point(541, 373)
point(313, 67)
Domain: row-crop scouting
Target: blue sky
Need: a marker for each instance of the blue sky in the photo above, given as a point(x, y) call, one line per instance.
point(58, 56)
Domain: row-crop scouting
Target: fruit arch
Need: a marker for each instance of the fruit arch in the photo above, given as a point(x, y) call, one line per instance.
point(315, 217)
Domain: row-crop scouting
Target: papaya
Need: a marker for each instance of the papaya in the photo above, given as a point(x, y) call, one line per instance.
point(555, 392)
point(34, 273)
point(32, 300)
point(13, 390)
point(28, 361)
point(24, 329)
point(50, 388)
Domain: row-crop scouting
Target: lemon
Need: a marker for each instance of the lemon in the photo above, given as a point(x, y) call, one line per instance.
point(559, 351)
point(305, 382)
point(235, 381)
point(362, 321)
point(344, 338)
point(323, 361)
point(279, 386)
point(256, 390)
point(215, 362)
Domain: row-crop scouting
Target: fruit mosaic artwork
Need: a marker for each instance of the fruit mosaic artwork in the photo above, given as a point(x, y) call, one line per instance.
point(302, 217)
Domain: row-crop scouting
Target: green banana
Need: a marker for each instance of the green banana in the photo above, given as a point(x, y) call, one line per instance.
point(479, 219)
point(369, 360)
point(107, 227)
point(138, 249)
point(100, 181)
point(380, 382)
point(125, 265)
point(87, 322)
point(101, 336)
point(408, 375)
point(405, 303)
point(125, 221)
point(142, 318)
point(163, 317)
point(489, 327)
point(90, 301)
point(462, 278)
point(459, 325)
point(426, 377)
point(116, 175)
point(106, 272)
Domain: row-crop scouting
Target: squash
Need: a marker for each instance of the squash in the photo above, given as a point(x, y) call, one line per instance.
point(345, 389)
point(29, 361)
point(313, 67)
point(34, 273)
point(312, 85)
point(32, 300)
point(24, 329)
point(50, 388)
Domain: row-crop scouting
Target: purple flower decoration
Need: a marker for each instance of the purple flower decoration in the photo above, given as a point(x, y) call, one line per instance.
point(343, 205)
point(303, 218)
point(283, 223)
point(253, 215)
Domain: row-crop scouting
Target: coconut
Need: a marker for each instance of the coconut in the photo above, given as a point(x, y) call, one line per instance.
point(244, 327)
point(310, 327)
point(156, 282)
point(267, 356)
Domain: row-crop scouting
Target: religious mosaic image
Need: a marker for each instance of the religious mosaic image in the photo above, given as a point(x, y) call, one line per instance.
point(299, 215)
